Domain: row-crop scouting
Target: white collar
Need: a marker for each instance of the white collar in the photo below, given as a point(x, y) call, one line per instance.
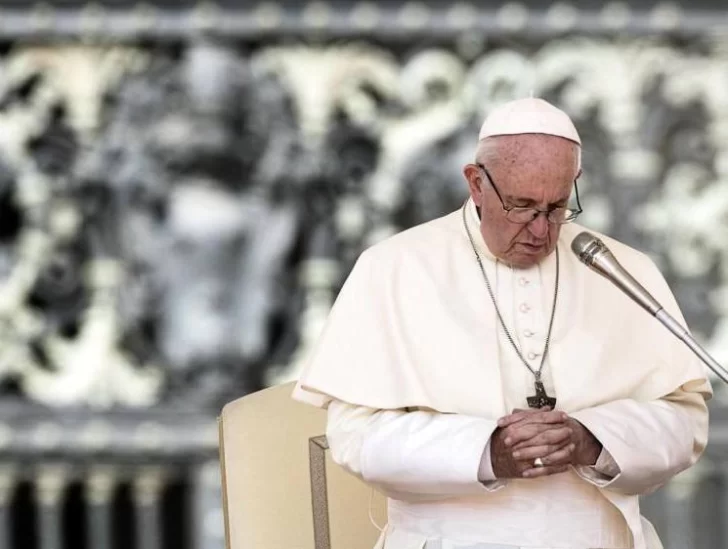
point(473, 222)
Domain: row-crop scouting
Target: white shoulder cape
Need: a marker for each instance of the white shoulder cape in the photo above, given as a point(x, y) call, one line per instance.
point(413, 326)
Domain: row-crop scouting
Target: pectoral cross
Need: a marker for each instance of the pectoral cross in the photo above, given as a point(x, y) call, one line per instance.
point(541, 398)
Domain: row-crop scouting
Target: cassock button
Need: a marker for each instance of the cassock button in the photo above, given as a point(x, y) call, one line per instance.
point(531, 356)
point(524, 308)
point(523, 281)
point(527, 333)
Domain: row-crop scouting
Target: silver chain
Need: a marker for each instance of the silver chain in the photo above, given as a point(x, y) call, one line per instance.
point(536, 373)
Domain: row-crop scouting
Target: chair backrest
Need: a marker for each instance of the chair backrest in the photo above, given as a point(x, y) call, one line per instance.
point(281, 490)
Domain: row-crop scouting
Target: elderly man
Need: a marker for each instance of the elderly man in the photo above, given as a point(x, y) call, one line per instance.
point(501, 394)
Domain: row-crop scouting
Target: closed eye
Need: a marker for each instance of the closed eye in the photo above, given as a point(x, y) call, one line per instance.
point(528, 203)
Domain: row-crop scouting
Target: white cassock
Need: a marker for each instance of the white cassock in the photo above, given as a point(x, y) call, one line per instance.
point(415, 371)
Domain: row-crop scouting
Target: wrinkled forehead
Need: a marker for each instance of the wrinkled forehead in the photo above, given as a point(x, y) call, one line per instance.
point(541, 168)
point(529, 152)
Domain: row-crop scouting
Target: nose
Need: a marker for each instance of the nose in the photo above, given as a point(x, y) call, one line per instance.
point(539, 227)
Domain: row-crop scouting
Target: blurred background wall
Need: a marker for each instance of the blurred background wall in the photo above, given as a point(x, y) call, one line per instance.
point(184, 188)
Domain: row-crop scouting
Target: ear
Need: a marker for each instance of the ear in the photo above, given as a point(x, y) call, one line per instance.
point(474, 176)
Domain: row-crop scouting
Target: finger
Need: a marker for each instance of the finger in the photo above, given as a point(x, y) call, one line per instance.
point(514, 436)
point(545, 471)
point(533, 452)
point(562, 456)
point(521, 434)
point(547, 436)
point(537, 416)
point(512, 418)
point(519, 413)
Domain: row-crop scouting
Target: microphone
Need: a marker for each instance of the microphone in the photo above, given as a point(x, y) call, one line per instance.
point(594, 253)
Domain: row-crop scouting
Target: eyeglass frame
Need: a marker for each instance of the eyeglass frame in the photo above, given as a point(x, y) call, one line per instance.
point(576, 213)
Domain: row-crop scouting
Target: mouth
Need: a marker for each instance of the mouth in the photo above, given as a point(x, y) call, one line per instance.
point(532, 248)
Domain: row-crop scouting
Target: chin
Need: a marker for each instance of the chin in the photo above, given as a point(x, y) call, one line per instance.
point(523, 264)
point(525, 261)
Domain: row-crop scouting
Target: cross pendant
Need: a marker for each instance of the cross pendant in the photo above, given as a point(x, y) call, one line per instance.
point(541, 398)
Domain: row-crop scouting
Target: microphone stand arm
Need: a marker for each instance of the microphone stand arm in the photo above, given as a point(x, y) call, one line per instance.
point(681, 333)
point(603, 262)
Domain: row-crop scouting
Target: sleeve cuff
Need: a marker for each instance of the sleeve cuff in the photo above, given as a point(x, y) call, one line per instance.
point(603, 472)
point(486, 476)
point(606, 464)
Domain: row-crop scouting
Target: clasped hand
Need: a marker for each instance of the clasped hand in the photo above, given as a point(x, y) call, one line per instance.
point(525, 435)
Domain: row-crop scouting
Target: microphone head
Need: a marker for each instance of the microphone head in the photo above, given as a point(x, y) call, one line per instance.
point(594, 254)
point(586, 246)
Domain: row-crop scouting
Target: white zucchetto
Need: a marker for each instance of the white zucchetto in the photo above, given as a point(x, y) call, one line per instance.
point(530, 115)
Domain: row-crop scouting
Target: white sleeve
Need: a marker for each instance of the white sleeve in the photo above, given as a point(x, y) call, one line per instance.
point(649, 442)
point(410, 455)
point(485, 471)
point(602, 472)
point(606, 465)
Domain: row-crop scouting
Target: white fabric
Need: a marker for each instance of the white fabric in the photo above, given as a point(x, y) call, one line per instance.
point(398, 538)
point(530, 115)
point(402, 539)
point(413, 327)
point(605, 466)
point(408, 456)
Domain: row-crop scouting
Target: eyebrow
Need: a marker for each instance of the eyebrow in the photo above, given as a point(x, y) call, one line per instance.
point(528, 202)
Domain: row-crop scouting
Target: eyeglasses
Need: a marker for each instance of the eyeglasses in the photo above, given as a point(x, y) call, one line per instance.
point(517, 214)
